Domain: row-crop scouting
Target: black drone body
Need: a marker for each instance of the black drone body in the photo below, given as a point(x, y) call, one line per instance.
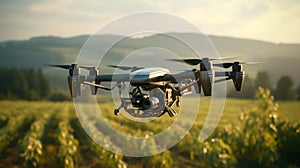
point(154, 91)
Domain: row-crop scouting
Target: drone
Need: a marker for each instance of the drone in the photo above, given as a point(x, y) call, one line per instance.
point(155, 91)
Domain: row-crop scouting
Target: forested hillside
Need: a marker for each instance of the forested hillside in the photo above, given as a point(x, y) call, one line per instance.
point(279, 59)
point(28, 84)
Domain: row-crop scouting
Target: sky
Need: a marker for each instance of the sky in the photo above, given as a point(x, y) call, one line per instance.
point(275, 21)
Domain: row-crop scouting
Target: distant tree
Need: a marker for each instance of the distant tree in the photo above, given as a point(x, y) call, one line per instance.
point(23, 84)
point(44, 85)
point(16, 84)
point(298, 92)
point(32, 82)
point(262, 80)
point(19, 84)
point(59, 95)
point(2, 83)
point(284, 89)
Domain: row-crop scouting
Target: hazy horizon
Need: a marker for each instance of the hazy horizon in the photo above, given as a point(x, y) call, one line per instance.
point(209, 35)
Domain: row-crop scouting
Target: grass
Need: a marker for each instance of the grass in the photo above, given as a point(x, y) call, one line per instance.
point(288, 110)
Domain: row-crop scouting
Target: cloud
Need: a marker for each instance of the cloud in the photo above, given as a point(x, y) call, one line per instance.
point(265, 20)
point(48, 6)
point(280, 24)
point(273, 20)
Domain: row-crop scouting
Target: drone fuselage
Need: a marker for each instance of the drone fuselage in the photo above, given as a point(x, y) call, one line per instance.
point(147, 78)
point(150, 97)
point(155, 90)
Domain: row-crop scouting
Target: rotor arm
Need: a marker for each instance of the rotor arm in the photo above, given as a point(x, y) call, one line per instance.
point(236, 76)
point(112, 78)
point(222, 80)
point(174, 78)
point(223, 74)
point(98, 86)
point(195, 82)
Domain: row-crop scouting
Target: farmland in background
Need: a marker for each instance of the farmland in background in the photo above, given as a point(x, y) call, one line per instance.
point(250, 133)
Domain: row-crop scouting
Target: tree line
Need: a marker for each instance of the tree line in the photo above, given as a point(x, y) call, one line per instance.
point(283, 90)
point(32, 84)
point(27, 84)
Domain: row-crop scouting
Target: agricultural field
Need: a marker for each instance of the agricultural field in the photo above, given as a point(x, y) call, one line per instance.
point(48, 134)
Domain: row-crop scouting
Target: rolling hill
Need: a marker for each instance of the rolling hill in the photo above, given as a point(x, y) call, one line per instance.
point(279, 59)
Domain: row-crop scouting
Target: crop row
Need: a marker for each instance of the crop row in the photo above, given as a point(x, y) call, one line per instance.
point(110, 159)
point(259, 138)
point(13, 126)
point(31, 147)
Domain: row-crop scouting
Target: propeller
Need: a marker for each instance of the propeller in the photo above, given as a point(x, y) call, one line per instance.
point(71, 66)
point(125, 68)
point(86, 67)
point(229, 64)
point(193, 61)
point(61, 66)
point(188, 61)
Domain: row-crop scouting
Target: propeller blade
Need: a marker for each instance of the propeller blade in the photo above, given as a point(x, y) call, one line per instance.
point(125, 68)
point(86, 67)
point(224, 65)
point(193, 61)
point(60, 66)
point(188, 61)
point(70, 66)
point(221, 58)
point(120, 67)
point(229, 64)
point(251, 63)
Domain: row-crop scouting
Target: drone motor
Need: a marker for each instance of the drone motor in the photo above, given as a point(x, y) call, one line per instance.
point(237, 76)
point(206, 76)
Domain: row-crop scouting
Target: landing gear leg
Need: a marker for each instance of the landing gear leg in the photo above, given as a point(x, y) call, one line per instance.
point(177, 101)
point(124, 104)
point(171, 111)
point(116, 111)
point(121, 88)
